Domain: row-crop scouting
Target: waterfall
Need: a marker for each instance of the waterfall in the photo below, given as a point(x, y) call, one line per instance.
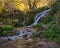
point(21, 32)
point(39, 16)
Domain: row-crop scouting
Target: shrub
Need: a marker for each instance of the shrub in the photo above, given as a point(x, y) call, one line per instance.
point(6, 33)
point(5, 30)
point(57, 40)
point(49, 33)
point(7, 27)
point(52, 32)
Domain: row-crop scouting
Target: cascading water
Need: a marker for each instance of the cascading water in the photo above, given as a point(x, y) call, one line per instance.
point(38, 16)
point(21, 33)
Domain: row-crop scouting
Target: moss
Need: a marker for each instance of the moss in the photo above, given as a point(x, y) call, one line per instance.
point(6, 29)
point(6, 33)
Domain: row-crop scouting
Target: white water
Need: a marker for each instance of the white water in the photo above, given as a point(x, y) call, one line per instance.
point(21, 33)
point(39, 16)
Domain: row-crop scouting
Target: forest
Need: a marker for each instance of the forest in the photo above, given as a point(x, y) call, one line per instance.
point(29, 23)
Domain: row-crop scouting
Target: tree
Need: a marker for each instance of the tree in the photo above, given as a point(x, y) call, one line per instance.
point(32, 4)
point(7, 5)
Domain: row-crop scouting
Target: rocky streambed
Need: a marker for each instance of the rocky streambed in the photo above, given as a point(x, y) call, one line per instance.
point(22, 33)
point(24, 40)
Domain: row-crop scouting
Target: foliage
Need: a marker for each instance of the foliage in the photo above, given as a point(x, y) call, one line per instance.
point(49, 33)
point(57, 40)
point(6, 33)
point(52, 32)
point(5, 29)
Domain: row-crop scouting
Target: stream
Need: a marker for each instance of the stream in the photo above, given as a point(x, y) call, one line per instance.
point(29, 33)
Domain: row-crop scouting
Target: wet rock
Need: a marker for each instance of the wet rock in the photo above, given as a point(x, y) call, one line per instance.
point(27, 26)
point(4, 38)
point(25, 36)
point(21, 33)
point(1, 23)
point(29, 33)
point(40, 34)
point(12, 38)
point(29, 40)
